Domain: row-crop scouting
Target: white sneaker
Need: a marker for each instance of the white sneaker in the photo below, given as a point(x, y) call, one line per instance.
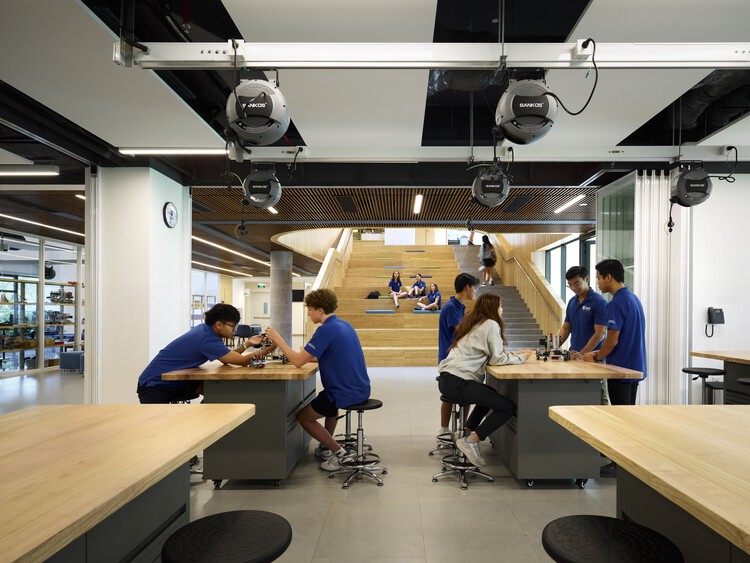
point(322, 452)
point(471, 451)
point(333, 463)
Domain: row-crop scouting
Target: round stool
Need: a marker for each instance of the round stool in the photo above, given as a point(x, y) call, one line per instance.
point(584, 538)
point(361, 464)
point(456, 462)
point(708, 387)
point(240, 536)
point(444, 439)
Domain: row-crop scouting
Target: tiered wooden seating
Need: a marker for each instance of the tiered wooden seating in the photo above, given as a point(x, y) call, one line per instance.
point(401, 339)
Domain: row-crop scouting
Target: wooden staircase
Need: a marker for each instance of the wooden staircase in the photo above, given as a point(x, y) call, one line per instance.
point(403, 338)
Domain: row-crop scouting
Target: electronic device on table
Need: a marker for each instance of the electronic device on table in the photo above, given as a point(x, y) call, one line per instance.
point(552, 351)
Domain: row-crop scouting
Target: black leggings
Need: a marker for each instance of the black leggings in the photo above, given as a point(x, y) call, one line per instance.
point(622, 392)
point(483, 397)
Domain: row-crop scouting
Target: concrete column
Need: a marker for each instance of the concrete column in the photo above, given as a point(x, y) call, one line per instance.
point(137, 277)
point(281, 293)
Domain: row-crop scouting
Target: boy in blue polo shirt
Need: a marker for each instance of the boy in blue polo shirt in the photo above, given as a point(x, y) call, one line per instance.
point(585, 316)
point(451, 315)
point(343, 372)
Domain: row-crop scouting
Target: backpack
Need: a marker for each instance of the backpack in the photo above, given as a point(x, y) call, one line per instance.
point(373, 295)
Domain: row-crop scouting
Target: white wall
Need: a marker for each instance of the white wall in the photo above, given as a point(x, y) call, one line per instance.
point(400, 236)
point(720, 269)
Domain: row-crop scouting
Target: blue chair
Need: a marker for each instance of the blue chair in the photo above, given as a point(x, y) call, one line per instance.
point(243, 331)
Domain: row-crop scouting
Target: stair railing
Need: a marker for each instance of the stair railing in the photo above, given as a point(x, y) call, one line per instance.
point(546, 307)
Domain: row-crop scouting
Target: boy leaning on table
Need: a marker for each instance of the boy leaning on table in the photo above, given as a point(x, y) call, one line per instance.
point(202, 343)
point(343, 373)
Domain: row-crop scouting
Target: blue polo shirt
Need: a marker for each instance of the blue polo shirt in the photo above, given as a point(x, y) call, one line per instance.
point(450, 317)
point(625, 313)
point(197, 346)
point(582, 318)
point(343, 372)
point(394, 285)
point(419, 285)
point(432, 297)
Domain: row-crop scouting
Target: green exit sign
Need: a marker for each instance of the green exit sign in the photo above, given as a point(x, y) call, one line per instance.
point(261, 286)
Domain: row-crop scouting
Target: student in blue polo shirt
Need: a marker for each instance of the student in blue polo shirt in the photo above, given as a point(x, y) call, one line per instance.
point(343, 372)
point(585, 316)
point(433, 299)
point(625, 344)
point(394, 288)
point(418, 288)
point(451, 315)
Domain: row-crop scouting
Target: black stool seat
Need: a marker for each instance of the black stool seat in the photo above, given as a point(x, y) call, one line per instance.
point(447, 400)
point(743, 380)
point(584, 538)
point(368, 405)
point(240, 536)
point(704, 372)
point(715, 385)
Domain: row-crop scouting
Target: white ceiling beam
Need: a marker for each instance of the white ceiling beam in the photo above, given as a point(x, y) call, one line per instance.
point(479, 56)
point(522, 153)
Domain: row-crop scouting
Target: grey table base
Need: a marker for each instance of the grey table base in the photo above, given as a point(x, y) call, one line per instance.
point(698, 543)
point(268, 445)
point(535, 447)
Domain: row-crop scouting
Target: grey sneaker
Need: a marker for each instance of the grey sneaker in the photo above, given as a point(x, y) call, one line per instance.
point(334, 462)
point(322, 452)
point(471, 451)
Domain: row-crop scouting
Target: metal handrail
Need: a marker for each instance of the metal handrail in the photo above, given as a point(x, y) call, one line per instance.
point(514, 259)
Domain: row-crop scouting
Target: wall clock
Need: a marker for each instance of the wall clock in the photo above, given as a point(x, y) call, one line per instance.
point(169, 213)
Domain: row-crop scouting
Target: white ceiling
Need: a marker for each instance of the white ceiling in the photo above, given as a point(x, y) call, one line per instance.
point(62, 57)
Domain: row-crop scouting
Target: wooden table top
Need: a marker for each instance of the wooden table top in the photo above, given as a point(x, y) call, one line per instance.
point(574, 369)
point(697, 456)
point(217, 371)
point(67, 467)
point(736, 356)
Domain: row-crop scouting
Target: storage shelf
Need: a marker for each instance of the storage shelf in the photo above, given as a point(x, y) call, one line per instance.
point(16, 303)
point(9, 327)
point(66, 304)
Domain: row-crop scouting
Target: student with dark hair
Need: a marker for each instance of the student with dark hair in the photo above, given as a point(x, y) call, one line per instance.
point(465, 286)
point(478, 343)
point(488, 258)
point(433, 299)
point(625, 344)
point(394, 288)
point(418, 288)
point(585, 316)
point(200, 344)
point(343, 373)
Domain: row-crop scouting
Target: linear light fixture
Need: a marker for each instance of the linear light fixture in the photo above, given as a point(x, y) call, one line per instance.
point(224, 248)
point(79, 196)
point(29, 170)
point(222, 269)
point(171, 151)
point(418, 203)
point(573, 201)
point(273, 210)
point(41, 225)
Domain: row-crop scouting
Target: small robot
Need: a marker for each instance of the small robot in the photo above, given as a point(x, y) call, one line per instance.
point(551, 351)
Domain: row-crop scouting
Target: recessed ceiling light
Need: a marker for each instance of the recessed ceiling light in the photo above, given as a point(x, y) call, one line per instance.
point(576, 199)
point(224, 248)
point(418, 203)
point(273, 210)
point(28, 170)
point(171, 151)
point(79, 196)
point(222, 269)
point(41, 225)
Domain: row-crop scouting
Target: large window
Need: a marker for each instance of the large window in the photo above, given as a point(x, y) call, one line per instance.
point(205, 294)
point(579, 252)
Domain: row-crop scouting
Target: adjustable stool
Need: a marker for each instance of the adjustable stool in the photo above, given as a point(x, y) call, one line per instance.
point(707, 387)
point(444, 439)
point(186, 401)
point(240, 536)
point(590, 539)
point(361, 464)
point(347, 440)
point(456, 461)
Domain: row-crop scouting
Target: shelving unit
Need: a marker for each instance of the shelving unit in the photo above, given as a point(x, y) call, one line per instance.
point(32, 327)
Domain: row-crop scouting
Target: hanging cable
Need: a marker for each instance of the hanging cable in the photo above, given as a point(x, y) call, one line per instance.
point(729, 177)
point(585, 45)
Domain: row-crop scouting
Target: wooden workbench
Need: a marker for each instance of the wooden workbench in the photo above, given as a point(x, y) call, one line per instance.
point(737, 365)
point(97, 480)
point(532, 445)
point(269, 446)
point(682, 470)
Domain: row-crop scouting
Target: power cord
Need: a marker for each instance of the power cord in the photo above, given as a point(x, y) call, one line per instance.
point(585, 45)
point(729, 177)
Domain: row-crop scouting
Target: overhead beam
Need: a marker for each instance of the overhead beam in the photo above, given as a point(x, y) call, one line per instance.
point(469, 56)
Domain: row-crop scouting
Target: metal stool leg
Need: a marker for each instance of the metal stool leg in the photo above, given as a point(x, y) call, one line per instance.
point(456, 462)
point(363, 464)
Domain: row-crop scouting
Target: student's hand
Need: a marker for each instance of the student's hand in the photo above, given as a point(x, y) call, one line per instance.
point(575, 355)
point(589, 357)
point(527, 353)
point(272, 335)
point(256, 340)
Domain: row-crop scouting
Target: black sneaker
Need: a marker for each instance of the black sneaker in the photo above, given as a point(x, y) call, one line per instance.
point(608, 471)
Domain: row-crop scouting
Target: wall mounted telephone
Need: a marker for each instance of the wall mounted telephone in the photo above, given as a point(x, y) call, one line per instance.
point(715, 317)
